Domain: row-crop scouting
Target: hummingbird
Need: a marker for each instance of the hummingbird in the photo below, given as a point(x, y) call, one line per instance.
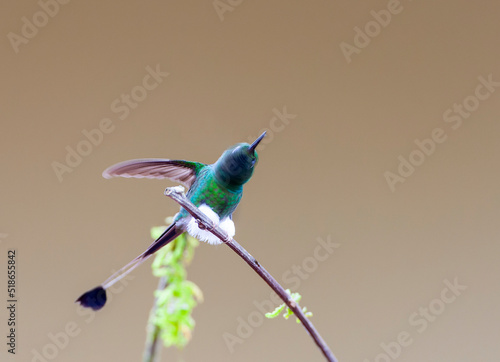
point(215, 189)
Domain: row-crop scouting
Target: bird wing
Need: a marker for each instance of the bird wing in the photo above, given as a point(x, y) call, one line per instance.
point(181, 171)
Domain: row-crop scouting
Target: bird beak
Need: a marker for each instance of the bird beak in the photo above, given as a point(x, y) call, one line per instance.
point(255, 143)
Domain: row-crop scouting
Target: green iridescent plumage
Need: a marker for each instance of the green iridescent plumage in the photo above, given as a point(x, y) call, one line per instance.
point(206, 190)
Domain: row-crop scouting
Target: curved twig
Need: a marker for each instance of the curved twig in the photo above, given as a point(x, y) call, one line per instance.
point(177, 194)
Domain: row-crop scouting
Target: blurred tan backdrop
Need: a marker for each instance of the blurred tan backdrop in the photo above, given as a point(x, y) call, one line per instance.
point(347, 90)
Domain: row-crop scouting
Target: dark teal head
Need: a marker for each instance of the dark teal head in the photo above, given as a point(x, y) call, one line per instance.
point(235, 166)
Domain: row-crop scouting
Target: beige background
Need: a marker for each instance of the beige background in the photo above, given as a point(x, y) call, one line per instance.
point(320, 176)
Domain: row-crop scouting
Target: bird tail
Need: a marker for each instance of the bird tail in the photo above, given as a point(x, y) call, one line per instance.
point(96, 298)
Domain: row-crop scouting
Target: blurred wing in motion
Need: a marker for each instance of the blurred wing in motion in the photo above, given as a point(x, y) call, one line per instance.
point(181, 171)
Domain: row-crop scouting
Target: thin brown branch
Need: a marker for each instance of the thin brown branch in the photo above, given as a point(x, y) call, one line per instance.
point(177, 194)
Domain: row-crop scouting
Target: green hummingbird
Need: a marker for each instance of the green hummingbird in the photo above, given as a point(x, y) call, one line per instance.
point(215, 189)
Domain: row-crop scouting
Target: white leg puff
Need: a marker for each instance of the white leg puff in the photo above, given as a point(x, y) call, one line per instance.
point(225, 224)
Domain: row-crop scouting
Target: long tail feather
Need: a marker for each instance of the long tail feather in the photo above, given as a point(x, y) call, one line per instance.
point(96, 298)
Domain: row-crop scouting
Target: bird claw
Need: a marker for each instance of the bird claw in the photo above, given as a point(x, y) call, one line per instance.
point(178, 189)
point(202, 226)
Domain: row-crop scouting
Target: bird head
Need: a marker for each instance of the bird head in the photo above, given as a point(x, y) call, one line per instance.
point(235, 166)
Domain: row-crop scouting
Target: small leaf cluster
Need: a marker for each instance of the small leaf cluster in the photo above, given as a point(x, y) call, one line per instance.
point(296, 297)
point(175, 302)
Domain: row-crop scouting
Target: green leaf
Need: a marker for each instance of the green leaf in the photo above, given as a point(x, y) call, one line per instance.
point(276, 312)
point(296, 297)
point(175, 303)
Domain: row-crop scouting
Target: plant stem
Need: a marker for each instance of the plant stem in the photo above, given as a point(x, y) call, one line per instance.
point(152, 348)
point(177, 194)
